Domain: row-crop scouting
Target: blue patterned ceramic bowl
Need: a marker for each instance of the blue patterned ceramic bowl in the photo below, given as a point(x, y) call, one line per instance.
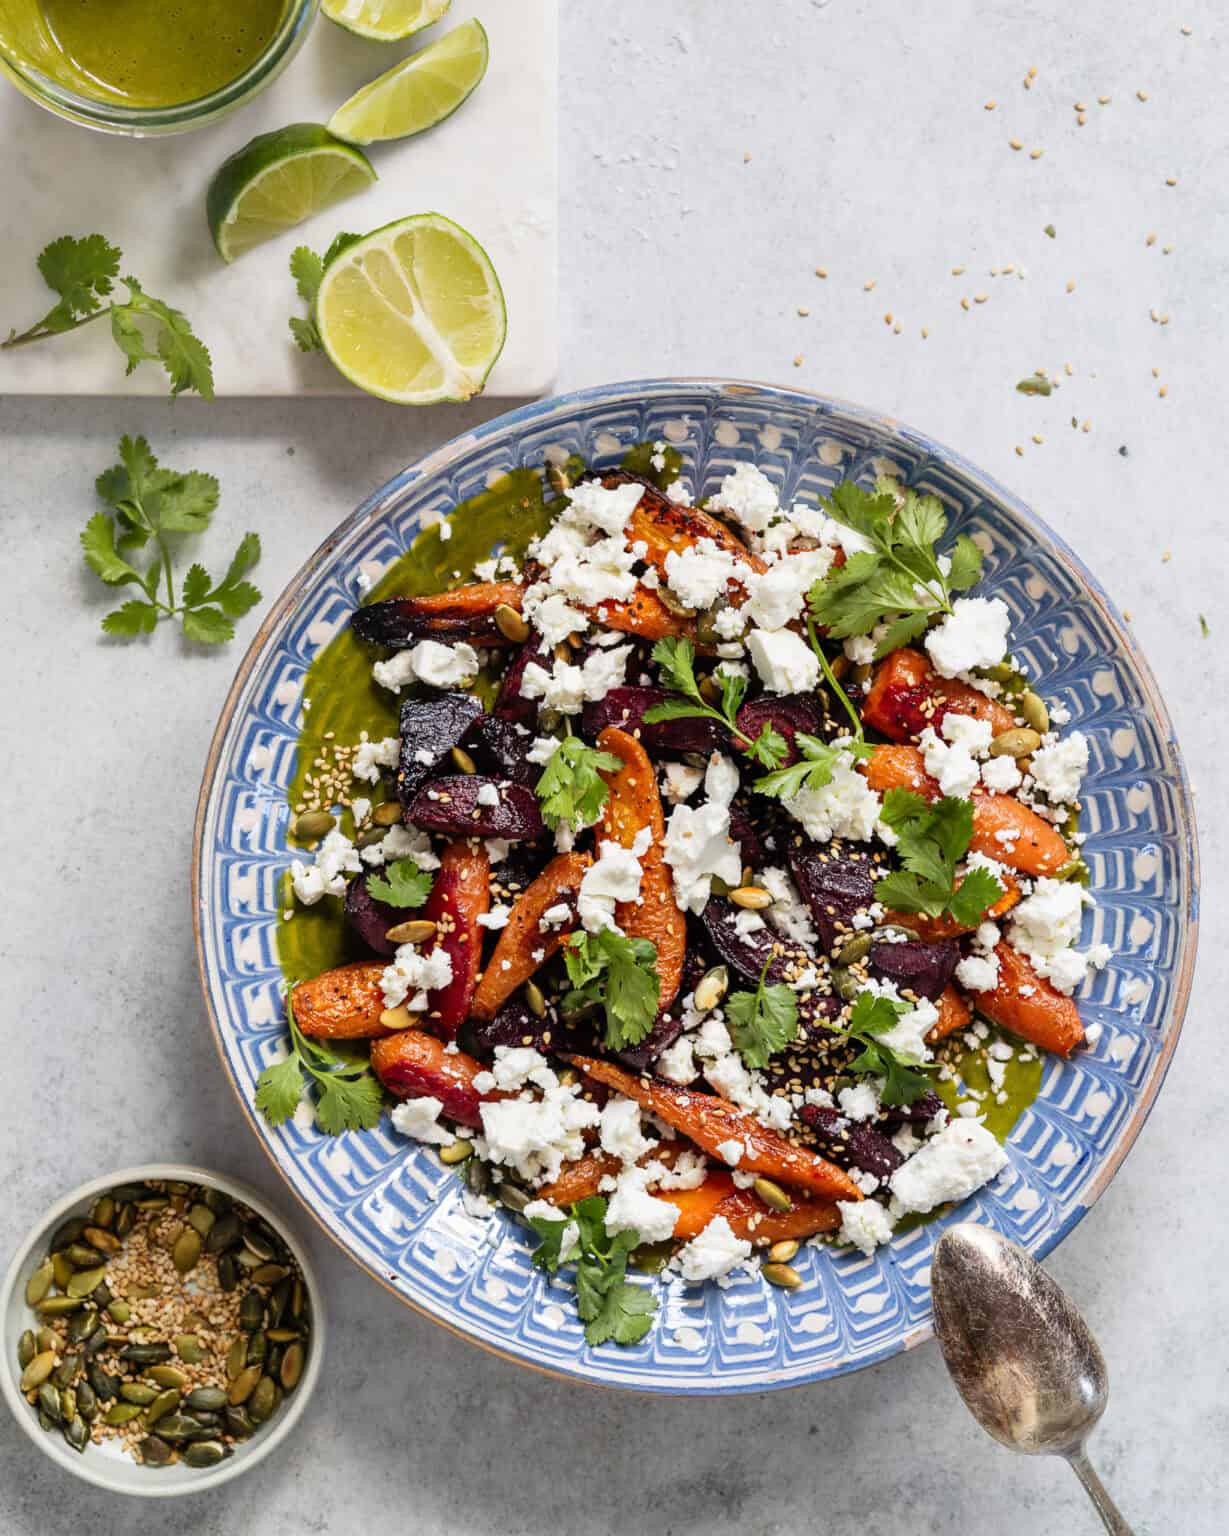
point(391, 1204)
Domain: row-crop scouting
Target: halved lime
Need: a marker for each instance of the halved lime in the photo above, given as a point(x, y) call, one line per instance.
point(387, 20)
point(413, 312)
point(277, 181)
point(417, 93)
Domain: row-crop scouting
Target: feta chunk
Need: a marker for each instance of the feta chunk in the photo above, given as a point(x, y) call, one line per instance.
point(864, 1223)
point(950, 1166)
point(440, 666)
point(974, 634)
point(715, 1252)
point(784, 661)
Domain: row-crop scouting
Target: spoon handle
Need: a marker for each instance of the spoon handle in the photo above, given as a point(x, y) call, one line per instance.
point(1096, 1490)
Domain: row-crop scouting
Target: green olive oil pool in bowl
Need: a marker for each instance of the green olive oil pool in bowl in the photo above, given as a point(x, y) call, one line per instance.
point(148, 67)
point(180, 1371)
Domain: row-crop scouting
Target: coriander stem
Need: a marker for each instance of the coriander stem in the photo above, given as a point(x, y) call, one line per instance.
point(166, 566)
point(39, 332)
point(831, 679)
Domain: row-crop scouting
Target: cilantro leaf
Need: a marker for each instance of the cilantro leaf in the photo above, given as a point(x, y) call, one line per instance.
point(931, 840)
point(196, 586)
point(81, 271)
point(619, 974)
point(306, 336)
point(187, 502)
point(207, 626)
point(348, 1103)
point(184, 356)
point(612, 1308)
point(405, 886)
point(348, 1097)
point(134, 618)
point(98, 546)
point(676, 658)
point(279, 1089)
point(871, 1017)
point(762, 1022)
point(571, 789)
point(976, 893)
point(625, 1315)
point(813, 770)
point(307, 269)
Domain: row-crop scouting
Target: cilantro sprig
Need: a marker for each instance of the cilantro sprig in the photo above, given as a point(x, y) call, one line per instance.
point(571, 790)
point(762, 1022)
point(347, 1095)
point(83, 271)
point(611, 1306)
point(871, 1017)
point(813, 769)
point(149, 503)
point(676, 658)
point(619, 975)
point(307, 269)
point(899, 581)
point(931, 840)
point(403, 884)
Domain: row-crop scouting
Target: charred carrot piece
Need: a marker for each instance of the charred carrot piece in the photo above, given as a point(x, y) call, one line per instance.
point(750, 1218)
point(342, 1004)
point(907, 694)
point(1029, 1006)
point(709, 1121)
point(954, 1014)
point(513, 961)
point(666, 527)
point(579, 1180)
point(414, 1065)
point(465, 613)
point(644, 614)
point(697, 1207)
point(460, 895)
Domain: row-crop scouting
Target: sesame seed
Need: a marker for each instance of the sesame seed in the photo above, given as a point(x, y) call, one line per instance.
point(1032, 74)
point(1104, 101)
point(798, 360)
point(1143, 95)
point(964, 303)
point(1167, 250)
point(1027, 83)
point(821, 271)
point(1019, 450)
point(1154, 316)
point(803, 310)
point(990, 106)
point(1171, 181)
point(1038, 439)
point(1150, 237)
point(1080, 119)
point(1127, 615)
point(1080, 107)
point(1015, 143)
point(925, 332)
point(887, 319)
point(868, 284)
point(1163, 391)
point(746, 156)
point(1185, 31)
point(1071, 285)
point(1156, 373)
point(1036, 154)
point(1009, 268)
point(1165, 319)
point(957, 271)
point(1166, 556)
point(1068, 369)
point(980, 298)
point(1086, 426)
point(897, 328)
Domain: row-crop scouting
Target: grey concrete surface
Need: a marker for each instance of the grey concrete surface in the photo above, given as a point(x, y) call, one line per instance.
point(871, 154)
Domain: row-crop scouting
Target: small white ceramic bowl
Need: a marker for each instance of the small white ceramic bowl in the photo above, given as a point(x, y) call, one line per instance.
point(105, 1466)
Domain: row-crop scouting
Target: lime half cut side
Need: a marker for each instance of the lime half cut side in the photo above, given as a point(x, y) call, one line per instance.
point(417, 93)
point(278, 180)
point(413, 312)
point(386, 20)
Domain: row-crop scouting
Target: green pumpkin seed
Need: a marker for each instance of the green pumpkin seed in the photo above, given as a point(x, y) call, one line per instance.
point(511, 624)
point(456, 1152)
point(125, 1220)
point(45, 1421)
point(263, 1401)
point(66, 1372)
point(711, 988)
point(773, 1196)
point(118, 1310)
point(370, 836)
point(77, 1434)
point(138, 1392)
point(83, 1256)
point(49, 1401)
point(282, 1335)
point(845, 983)
point(243, 1385)
point(155, 1452)
point(102, 1213)
point(279, 1301)
point(1034, 711)
point(201, 1219)
point(189, 1348)
point(27, 1348)
point(106, 1387)
point(164, 1403)
point(784, 1275)
point(462, 761)
point(167, 1375)
point(208, 1399)
point(47, 1338)
point(68, 1404)
point(81, 1325)
point(752, 898)
point(121, 1413)
point(218, 1201)
point(61, 1269)
point(87, 1401)
point(269, 1274)
point(857, 949)
point(477, 1176)
point(39, 1283)
point(129, 1194)
point(251, 1311)
point(1017, 742)
point(84, 1282)
point(292, 1367)
point(223, 1234)
point(177, 1426)
point(101, 1295)
point(144, 1292)
point(59, 1306)
point(386, 815)
point(228, 1272)
point(96, 1341)
point(102, 1241)
point(187, 1250)
point(298, 1297)
point(67, 1232)
point(258, 1348)
point(146, 1354)
point(205, 1453)
point(512, 1197)
point(238, 1423)
point(312, 825)
point(784, 1251)
point(257, 1243)
point(237, 1356)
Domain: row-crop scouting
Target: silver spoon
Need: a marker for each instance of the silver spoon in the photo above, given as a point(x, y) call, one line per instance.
point(1020, 1354)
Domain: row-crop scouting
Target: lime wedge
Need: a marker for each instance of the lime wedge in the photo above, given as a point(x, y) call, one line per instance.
point(417, 93)
point(386, 20)
point(277, 181)
point(413, 312)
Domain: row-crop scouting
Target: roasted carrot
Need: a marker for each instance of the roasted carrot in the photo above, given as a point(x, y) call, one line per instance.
point(460, 895)
point(666, 527)
point(907, 694)
point(342, 1004)
point(1035, 847)
point(513, 960)
point(465, 613)
point(954, 1014)
point(644, 614)
point(414, 1065)
point(749, 1217)
point(579, 1180)
point(633, 806)
point(710, 1121)
point(697, 1207)
point(1028, 1005)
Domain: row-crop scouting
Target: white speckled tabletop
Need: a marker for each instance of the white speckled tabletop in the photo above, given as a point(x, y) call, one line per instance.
point(712, 155)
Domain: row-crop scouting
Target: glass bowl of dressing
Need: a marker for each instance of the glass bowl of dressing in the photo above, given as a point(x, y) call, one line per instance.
point(147, 67)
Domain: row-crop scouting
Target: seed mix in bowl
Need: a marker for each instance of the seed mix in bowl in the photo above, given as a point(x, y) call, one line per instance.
point(170, 1319)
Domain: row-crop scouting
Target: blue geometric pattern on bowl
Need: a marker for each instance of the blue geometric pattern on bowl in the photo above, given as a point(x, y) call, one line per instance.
point(392, 1205)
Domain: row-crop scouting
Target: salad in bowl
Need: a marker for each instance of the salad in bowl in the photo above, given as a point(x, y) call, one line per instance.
point(699, 880)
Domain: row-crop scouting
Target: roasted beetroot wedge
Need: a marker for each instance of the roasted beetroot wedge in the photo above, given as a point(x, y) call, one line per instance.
point(922, 968)
point(415, 1065)
point(501, 747)
point(852, 1143)
point(835, 882)
point(510, 703)
point(460, 895)
point(370, 918)
point(466, 613)
point(430, 728)
point(747, 952)
point(458, 804)
point(625, 708)
point(787, 713)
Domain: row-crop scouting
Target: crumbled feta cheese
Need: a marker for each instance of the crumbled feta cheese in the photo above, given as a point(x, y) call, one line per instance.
point(1058, 767)
point(1045, 927)
point(950, 1166)
point(614, 877)
point(784, 661)
point(907, 1037)
point(864, 1223)
point(335, 858)
point(415, 971)
point(789, 914)
point(978, 973)
point(1000, 775)
point(974, 634)
point(371, 756)
point(536, 1136)
point(497, 917)
point(749, 496)
point(566, 687)
point(698, 843)
point(419, 1118)
point(716, 1251)
point(632, 1207)
point(967, 731)
point(440, 666)
point(699, 574)
point(731, 1151)
point(402, 843)
point(845, 807)
point(688, 1171)
point(677, 1063)
point(488, 794)
point(951, 764)
point(860, 649)
point(860, 1102)
point(681, 781)
point(777, 595)
point(620, 1133)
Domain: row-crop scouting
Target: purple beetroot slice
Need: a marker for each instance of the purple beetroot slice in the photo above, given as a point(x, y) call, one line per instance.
point(834, 882)
point(370, 918)
point(451, 804)
point(921, 968)
point(501, 747)
point(626, 708)
point(851, 1142)
point(510, 703)
point(430, 728)
point(747, 952)
point(787, 713)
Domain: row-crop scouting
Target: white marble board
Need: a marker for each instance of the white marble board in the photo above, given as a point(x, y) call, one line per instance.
point(492, 167)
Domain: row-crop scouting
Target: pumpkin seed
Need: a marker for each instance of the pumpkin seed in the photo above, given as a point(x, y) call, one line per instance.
point(65, 1373)
point(77, 1433)
point(146, 1354)
point(125, 1220)
point(861, 672)
point(1034, 711)
point(840, 665)
point(388, 814)
point(153, 1203)
point(101, 1295)
point(187, 1250)
point(263, 1401)
point(292, 1366)
point(102, 1241)
point(155, 1452)
point(269, 1274)
point(773, 1195)
point(462, 760)
point(96, 1340)
point(204, 1453)
point(238, 1423)
point(784, 1275)
point(513, 1197)
point(258, 1348)
point(129, 1194)
point(751, 897)
point(282, 1335)
point(370, 836)
point(257, 1243)
point(167, 1375)
point(87, 1401)
point(845, 983)
point(67, 1232)
point(210, 1399)
point(104, 1384)
point(279, 1301)
point(49, 1401)
point(456, 1152)
point(477, 1176)
point(536, 999)
point(138, 1392)
point(118, 1310)
point(251, 1311)
point(166, 1402)
point(312, 825)
point(102, 1213)
point(243, 1385)
point(417, 931)
point(81, 1325)
point(511, 624)
point(39, 1283)
point(784, 1251)
point(121, 1413)
point(143, 1333)
point(60, 1306)
point(177, 1426)
point(397, 1018)
point(27, 1348)
point(218, 1201)
point(711, 988)
point(47, 1338)
point(1017, 742)
point(140, 1292)
point(228, 1272)
point(45, 1421)
point(68, 1404)
point(671, 602)
point(201, 1219)
point(61, 1269)
point(857, 949)
point(84, 1282)
point(710, 691)
point(189, 1348)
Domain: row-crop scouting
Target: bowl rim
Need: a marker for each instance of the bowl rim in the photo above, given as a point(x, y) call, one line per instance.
point(261, 1445)
point(537, 411)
